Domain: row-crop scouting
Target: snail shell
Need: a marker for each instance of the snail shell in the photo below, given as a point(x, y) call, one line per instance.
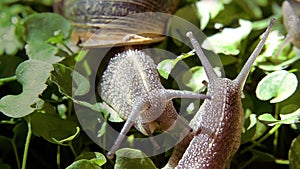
point(104, 23)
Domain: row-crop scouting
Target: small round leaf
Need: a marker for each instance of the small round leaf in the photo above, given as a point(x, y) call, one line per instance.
point(278, 85)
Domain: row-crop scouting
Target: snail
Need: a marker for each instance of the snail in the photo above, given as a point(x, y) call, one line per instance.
point(291, 21)
point(130, 85)
point(219, 121)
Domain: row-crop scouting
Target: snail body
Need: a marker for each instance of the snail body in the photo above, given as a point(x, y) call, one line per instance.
point(131, 86)
point(219, 121)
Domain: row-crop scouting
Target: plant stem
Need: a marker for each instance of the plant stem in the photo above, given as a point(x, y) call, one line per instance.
point(7, 122)
point(58, 156)
point(16, 153)
point(29, 133)
point(7, 79)
point(280, 161)
point(68, 49)
point(276, 134)
point(273, 130)
point(72, 149)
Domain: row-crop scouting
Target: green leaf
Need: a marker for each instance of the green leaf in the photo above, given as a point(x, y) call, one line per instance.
point(250, 131)
point(198, 76)
point(291, 118)
point(62, 109)
point(253, 121)
point(278, 85)
point(191, 108)
point(10, 40)
point(42, 26)
point(228, 59)
point(70, 82)
point(294, 153)
point(267, 118)
point(95, 157)
point(228, 41)
point(251, 8)
point(113, 116)
point(102, 130)
point(80, 85)
point(263, 23)
point(131, 158)
point(272, 43)
point(280, 66)
point(165, 67)
point(95, 107)
point(57, 38)
point(84, 164)
point(268, 60)
point(61, 76)
point(53, 128)
point(103, 107)
point(42, 51)
point(208, 9)
point(32, 74)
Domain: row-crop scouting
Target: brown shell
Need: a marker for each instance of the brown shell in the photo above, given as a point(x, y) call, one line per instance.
point(114, 22)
